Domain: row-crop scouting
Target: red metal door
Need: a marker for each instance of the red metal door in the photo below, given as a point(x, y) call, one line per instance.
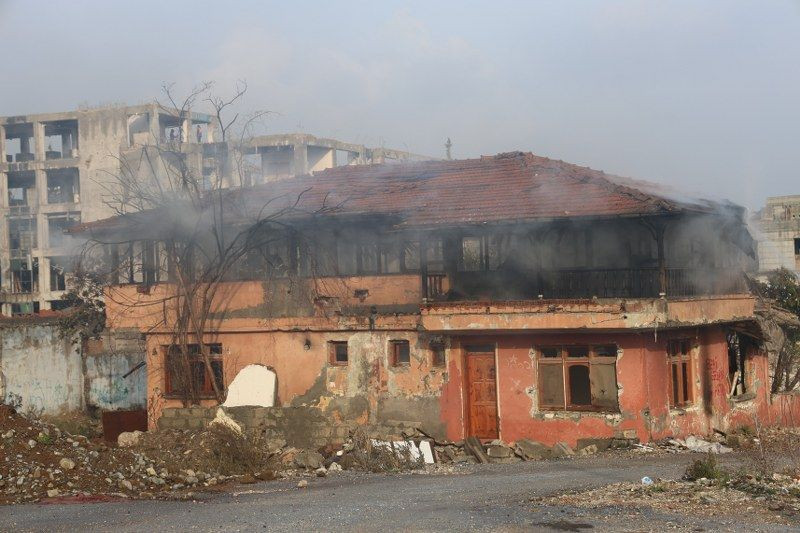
point(482, 395)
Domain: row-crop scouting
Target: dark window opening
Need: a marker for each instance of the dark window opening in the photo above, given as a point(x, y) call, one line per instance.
point(338, 353)
point(22, 233)
point(482, 253)
point(737, 352)
point(578, 377)
point(57, 225)
point(401, 353)
point(60, 270)
point(63, 186)
point(177, 376)
point(21, 189)
point(438, 355)
point(25, 308)
point(25, 275)
point(797, 247)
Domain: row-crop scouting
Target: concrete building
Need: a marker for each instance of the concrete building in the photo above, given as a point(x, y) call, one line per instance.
point(505, 297)
point(779, 239)
point(60, 169)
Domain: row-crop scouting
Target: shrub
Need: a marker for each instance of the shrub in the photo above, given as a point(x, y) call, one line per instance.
point(706, 468)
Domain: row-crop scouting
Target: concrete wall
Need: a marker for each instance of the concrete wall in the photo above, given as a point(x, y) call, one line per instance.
point(51, 375)
point(41, 368)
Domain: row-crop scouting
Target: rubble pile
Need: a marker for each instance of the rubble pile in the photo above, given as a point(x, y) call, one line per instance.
point(38, 460)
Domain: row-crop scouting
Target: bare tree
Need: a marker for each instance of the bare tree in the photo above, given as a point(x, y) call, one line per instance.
point(196, 231)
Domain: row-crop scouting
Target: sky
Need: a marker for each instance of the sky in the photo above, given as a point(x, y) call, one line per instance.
point(702, 96)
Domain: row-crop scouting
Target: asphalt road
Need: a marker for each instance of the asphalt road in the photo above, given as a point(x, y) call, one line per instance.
point(483, 497)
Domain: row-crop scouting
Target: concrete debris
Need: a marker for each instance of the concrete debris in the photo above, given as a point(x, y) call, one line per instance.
point(696, 444)
point(129, 438)
point(531, 450)
point(302, 484)
point(223, 419)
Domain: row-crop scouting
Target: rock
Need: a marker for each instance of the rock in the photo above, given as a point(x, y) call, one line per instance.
point(151, 471)
point(66, 464)
point(588, 450)
point(334, 467)
point(531, 450)
point(37, 473)
point(562, 450)
point(31, 443)
point(52, 493)
point(191, 480)
point(127, 439)
point(321, 471)
point(308, 459)
point(125, 484)
point(302, 484)
point(190, 472)
point(247, 479)
point(222, 419)
point(499, 451)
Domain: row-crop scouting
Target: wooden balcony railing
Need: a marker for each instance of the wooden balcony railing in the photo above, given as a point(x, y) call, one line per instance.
point(582, 283)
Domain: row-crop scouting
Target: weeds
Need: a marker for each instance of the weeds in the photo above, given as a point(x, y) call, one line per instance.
point(226, 450)
point(707, 468)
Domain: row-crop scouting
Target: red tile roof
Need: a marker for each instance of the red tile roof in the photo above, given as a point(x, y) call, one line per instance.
point(506, 187)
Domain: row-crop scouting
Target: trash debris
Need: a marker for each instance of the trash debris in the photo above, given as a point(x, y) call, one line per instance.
point(647, 481)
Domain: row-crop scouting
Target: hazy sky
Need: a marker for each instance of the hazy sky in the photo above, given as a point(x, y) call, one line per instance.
point(701, 95)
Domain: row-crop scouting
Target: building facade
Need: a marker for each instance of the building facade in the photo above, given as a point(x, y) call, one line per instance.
point(779, 239)
point(504, 297)
point(61, 169)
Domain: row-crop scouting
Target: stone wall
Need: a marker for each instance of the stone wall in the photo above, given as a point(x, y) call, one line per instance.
point(300, 427)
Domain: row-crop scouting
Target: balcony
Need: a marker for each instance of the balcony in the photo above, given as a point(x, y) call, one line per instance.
point(581, 284)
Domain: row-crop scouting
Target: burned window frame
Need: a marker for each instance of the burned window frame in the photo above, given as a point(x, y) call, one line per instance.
point(333, 359)
point(562, 359)
point(492, 247)
point(680, 373)
point(396, 347)
point(196, 361)
point(438, 355)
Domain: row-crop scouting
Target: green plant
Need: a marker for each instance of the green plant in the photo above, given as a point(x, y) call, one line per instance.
point(707, 468)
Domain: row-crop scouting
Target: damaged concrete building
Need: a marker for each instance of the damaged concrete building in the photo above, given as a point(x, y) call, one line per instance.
point(779, 240)
point(505, 297)
point(60, 169)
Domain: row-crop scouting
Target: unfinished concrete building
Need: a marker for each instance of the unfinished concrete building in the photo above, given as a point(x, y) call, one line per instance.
point(779, 240)
point(506, 297)
point(60, 169)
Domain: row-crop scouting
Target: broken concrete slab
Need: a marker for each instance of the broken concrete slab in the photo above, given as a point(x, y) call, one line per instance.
point(499, 451)
point(474, 446)
point(562, 449)
point(222, 419)
point(531, 450)
point(254, 385)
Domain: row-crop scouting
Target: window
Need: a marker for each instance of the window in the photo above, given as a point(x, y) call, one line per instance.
point(410, 256)
point(680, 372)
point(401, 353)
point(578, 377)
point(22, 233)
point(438, 355)
point(797, 247)
point(176, 375)
point(338, 351)
point(25, 275)
point(486, 252)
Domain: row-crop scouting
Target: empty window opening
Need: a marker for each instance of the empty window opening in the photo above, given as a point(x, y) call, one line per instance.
point(22, 234)
point(338, 353)
point(25, 308)
point(61, 269)
point(21, 189)
point(251, 172)
point(797, 247)
point(57, 224)
point(19, 142)
point(59, 305)
point(738, 346)
point(401, 353)
point(188, 373)
point(438, 355)
point(170, 128)
point(63, 186)
point(25, 275)
point(61, 139)
point(578, 377)
point(139, 129)
point(345, 157)
point(485, 252)
point(680, 373)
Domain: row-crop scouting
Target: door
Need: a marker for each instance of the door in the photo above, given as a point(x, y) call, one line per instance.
point(482, 395)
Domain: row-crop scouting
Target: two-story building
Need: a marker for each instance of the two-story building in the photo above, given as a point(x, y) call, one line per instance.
point(503, 297)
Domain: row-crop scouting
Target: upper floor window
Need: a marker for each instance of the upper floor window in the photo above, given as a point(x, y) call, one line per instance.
point(578, 377)
point(484, 252)
point(400, 353)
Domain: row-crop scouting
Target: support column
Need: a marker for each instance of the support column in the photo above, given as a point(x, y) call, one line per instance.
point(300, 159)
point(38, 141)
point(2, 145)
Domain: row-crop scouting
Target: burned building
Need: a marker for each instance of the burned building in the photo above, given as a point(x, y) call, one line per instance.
point(60, 169)
point(509, 297)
